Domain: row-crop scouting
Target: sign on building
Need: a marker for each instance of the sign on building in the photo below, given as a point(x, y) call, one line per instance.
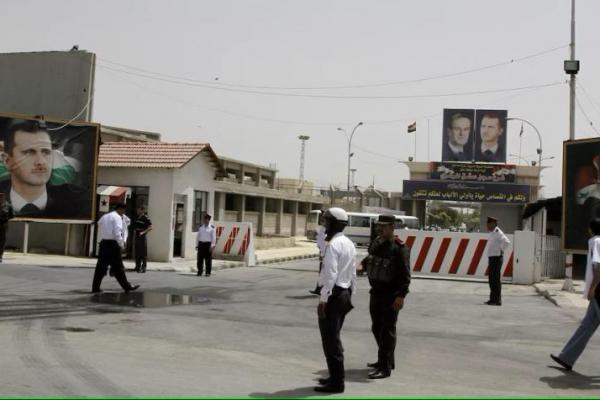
point(48, 167)
point(471, 172)
point(581, 191)
point(466, 191)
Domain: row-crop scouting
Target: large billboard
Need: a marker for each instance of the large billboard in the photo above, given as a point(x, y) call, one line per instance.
point(466, 191)
point(581, 191)
point(48, 167)
point(474, 135)
point(472, 172)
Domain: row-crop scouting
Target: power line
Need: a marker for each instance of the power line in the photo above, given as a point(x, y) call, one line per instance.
point(329, 96)
point(334, 87)
point(586, 116)
point(589, 97)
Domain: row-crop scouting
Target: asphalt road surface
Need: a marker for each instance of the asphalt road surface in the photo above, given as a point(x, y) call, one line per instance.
point(253, 332)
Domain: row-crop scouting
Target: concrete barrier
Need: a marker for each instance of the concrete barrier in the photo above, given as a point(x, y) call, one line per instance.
point(235, 241)
point(459, 254)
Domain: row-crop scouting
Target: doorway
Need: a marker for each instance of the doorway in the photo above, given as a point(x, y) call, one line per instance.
point(178, 225)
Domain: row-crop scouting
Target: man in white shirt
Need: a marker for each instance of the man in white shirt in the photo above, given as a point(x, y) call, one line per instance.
point(337, 280)
point(576, 344)
point(112, 243)
point(206, 240)
point(497, 243)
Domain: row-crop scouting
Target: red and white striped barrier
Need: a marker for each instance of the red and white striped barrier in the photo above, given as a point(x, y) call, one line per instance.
point(235, 240)
point(453, 254)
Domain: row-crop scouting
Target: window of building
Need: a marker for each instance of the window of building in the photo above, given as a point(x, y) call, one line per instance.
point(200, 208)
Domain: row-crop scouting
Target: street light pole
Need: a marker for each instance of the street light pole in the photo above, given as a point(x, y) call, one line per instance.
point(539, 150)
point(349, 149)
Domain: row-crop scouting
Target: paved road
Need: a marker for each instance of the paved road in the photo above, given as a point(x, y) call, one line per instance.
point(253, 333)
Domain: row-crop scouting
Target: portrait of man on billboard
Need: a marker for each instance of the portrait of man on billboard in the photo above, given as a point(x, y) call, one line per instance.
point(458, 135)
point(581, 202)
point(47, 173)
point(490, 138)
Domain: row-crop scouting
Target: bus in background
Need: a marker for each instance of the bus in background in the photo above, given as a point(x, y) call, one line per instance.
point(359, 225)
point(312, 224)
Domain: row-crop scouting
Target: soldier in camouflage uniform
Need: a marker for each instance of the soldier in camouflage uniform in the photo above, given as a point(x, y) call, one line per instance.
point(388, 269)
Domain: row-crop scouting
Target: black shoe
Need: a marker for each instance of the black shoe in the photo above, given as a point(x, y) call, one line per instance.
point(97, 291)
point(379, 374)
point(324, 381)
point(207, 275)
point(329, 388)
point(315, 292)
point(143, 271)
point(132, 288)
point(376, 365)
point(493, 303)
point(561, 362)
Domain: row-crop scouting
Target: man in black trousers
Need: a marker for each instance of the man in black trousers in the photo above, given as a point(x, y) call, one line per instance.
point(110, 231)
point(205, 244)
point(141, 227)
point(388, 268)
point(497, 243)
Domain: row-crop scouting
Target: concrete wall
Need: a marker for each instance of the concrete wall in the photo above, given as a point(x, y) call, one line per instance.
point(509, 217)
point(54, 84)
point(270, 225)
point(197, 174)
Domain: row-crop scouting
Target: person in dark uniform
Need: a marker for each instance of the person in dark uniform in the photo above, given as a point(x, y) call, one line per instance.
point(205, 244)
point(112, 243)
point(141, 227)
point(388, 269)
point(497, 243)
point(6, 214)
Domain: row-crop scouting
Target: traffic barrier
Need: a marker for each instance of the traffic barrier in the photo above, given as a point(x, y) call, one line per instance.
point(235, 241)
point(453, 254)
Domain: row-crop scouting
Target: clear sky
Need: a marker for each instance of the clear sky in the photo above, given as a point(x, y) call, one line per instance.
point(203, 47)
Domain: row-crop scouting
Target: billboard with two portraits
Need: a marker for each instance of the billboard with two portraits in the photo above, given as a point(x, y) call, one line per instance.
point(474, 135)
point(48, 168)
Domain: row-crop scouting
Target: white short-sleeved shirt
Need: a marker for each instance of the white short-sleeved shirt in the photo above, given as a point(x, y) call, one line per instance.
point(592, 257)
point(339, 266)
point(497, 242)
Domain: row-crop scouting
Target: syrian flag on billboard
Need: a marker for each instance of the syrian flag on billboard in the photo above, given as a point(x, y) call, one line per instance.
point(412, 127)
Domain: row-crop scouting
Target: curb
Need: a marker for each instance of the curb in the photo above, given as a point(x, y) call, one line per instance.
point(546, 294)
point(286, 259)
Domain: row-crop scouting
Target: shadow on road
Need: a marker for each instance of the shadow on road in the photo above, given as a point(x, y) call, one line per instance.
point(571, 380)
point(352, 375)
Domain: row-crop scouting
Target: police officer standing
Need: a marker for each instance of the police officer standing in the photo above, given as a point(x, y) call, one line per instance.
point(205, 244)
point(141, 227)
point(497, 243)
point(388, 269)
point(337, 280)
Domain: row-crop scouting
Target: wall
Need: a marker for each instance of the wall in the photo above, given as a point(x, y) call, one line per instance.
point(160, 203)
point(197, 174)
point(54, 84)
point(509, 217)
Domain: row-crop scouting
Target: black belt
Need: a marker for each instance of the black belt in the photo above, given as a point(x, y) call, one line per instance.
point(500, 256)
point(338, 289)
point(108, 240)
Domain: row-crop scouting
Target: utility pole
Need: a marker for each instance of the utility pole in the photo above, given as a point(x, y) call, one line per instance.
point(303, 138)
point(571, 67)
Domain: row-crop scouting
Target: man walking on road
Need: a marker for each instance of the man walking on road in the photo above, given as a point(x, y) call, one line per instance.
point(206, 240)
point(337, 280)
point(575, 346)
point(112, 243)
point(388, 269)
point(497, 243)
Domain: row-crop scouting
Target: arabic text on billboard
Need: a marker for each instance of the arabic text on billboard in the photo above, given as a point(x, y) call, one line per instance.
point(471, 172)
point(466, 191)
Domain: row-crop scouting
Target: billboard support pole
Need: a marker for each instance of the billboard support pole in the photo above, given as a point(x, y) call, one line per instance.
point(68, 239)
point(26, 238)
